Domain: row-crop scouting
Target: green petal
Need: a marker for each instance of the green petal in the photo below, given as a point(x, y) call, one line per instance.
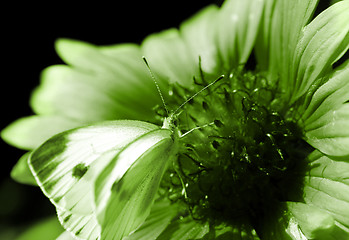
point(328, 97)
point(262, 47)
point(293, 230)
point(332, 188)
point(79, 54)
point(281, 28)
point(336, 232)
point(336, 169)
point(325, 118)
point(323, 42)
point(184, 228)
point(29, 132)
point(160, 216)
point(198, 34)
point(237, 28)
point(102, 84)
point(327, 186)
point(313, 222)
point(336, 207)
point(21, 172)
point(44, 230)
point(170, 58)
point(331, 135)
point(297, 223)
point(340, 232)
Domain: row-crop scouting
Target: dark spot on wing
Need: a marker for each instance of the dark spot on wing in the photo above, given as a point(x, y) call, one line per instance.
point(46, 171)
point(50, 184)
point(122, 193)
point(66, 219)
point(43, 160)
point(154, 181)
point(117, 185)
point(79, 170)
point(145, 204)
point(56, 199)
point(79, 231)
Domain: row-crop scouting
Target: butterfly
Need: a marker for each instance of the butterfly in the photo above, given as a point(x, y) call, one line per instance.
point(103, 178)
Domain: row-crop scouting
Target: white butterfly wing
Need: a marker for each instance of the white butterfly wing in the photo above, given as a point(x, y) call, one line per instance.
point(67, 165)
point(124, 202)
point(81, 226)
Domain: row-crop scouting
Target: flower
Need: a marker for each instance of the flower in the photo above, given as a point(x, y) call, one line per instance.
point(268, 154)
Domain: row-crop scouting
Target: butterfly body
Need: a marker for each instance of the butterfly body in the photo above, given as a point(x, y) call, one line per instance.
point(170, 123)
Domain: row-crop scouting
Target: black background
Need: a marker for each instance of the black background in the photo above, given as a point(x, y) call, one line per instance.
point(28, 33)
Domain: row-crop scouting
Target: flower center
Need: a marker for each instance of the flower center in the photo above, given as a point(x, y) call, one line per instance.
point(243, 158)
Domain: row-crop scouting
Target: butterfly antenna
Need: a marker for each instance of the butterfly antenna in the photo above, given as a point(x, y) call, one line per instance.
point(203, 89)
point(156, 84)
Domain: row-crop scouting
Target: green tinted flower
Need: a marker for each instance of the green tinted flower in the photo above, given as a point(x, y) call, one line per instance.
point(263, 153)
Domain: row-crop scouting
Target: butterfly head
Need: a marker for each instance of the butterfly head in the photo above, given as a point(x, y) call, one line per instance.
point(170, 122)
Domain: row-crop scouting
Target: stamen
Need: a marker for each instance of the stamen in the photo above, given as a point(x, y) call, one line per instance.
point(244, 149)
point(197, 93)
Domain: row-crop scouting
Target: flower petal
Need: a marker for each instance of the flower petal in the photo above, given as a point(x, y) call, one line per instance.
point(323, 42)
point(331, 134)
point(29, 132)
point(294, 231)
point(103, 83)
point(328, 190)
point(48, 228)
point(314, 222)
point(328, 97)
point(327, 187)
point(336, 169)
point(325, 118)
point(198, 34)
point(160, 216)
point(281, 28)
point(169, 57)
point(21, 172)
point(184, 228)
point(263, 45)
point(333, 188)
point(237, 28)
point(336, 207)
point(340, 232)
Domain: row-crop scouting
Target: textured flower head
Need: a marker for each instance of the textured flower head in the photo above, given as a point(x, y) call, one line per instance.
point(260, 152)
